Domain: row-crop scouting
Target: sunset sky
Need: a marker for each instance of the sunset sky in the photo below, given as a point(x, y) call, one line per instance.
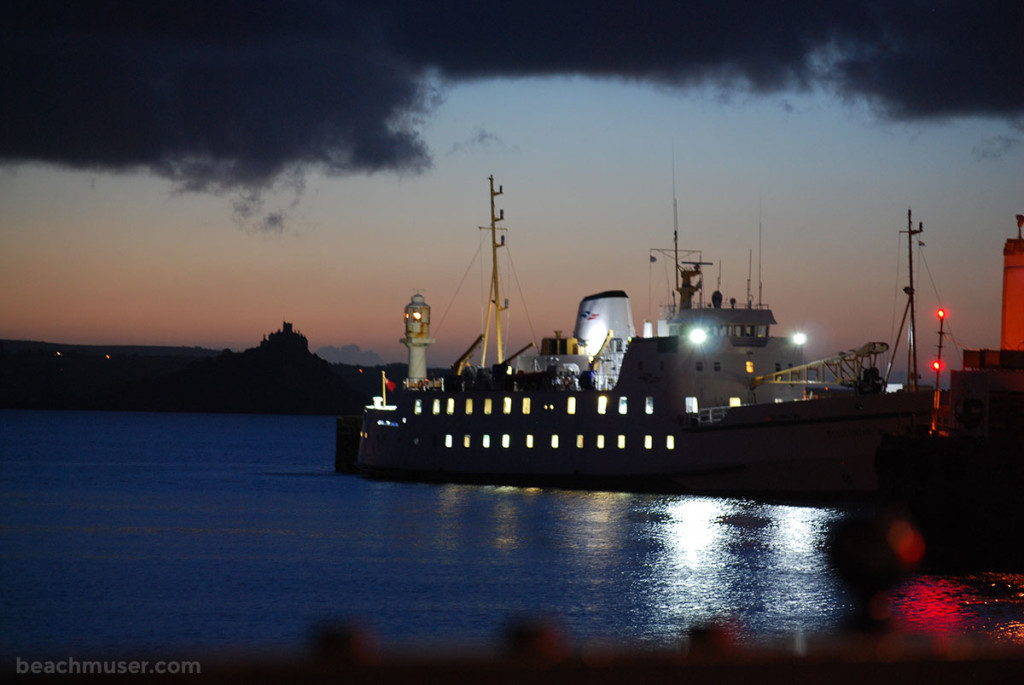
point(196, 173)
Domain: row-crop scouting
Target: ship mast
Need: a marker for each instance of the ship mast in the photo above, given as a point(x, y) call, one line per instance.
point(494, 305)
point(912, 348)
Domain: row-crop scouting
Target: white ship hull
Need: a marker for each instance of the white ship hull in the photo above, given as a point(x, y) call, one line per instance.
point(800, 448)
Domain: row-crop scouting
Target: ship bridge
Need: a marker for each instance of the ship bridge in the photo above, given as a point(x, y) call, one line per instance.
point(746, 327)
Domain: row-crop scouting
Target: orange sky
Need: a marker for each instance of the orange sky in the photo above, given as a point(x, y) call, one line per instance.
point(122, 259)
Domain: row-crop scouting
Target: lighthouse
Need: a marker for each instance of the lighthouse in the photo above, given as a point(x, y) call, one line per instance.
point(417, 336)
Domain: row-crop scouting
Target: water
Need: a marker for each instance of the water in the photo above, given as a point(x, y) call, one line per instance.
point(176, 532)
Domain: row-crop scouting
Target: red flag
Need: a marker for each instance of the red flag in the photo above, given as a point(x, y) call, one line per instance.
point(391, 385)
point(1020, 220)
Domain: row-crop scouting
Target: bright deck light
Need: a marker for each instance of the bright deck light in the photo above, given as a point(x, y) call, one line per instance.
point(697, 335)
point(799, 338)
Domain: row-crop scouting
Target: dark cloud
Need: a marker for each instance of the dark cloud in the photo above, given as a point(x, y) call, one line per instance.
point(995, 147)
point(231, 95)
point(480, 139)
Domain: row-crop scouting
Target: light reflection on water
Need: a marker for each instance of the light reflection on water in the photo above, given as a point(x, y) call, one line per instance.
point(758, 567)
point(132, 531)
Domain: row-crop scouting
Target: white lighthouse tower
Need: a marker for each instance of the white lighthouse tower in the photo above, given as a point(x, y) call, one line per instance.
point(417, 337)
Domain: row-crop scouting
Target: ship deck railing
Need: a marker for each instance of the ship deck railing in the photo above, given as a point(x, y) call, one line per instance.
point(711, 415)
point(423, 384)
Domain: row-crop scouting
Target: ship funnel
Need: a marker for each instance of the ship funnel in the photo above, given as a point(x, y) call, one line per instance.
point(603, 312)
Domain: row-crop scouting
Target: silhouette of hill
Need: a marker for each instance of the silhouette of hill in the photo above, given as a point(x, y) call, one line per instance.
point(280, 376)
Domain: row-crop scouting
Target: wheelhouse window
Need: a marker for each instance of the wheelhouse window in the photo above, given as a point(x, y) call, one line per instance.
point(417, 406)
point(570, 405)
point(449, 407)
point(526, 405)
point(469, 406)
point(623, 405)
point(648, 405)
point(488, 404)
point(602, 404)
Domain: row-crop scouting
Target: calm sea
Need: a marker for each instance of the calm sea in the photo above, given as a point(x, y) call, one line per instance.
point(175, 532)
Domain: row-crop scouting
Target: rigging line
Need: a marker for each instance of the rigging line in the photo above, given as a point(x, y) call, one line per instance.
point(895, 298)
point(503, 277)
point(440, 323)
point(484, 300)
point(948, 332)
point(650, 281)
point(522, 298)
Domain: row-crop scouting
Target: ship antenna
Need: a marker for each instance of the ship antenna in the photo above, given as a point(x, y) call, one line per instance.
point(494, 305)
point(760, 283)
point(675, 229)
point(750, 268)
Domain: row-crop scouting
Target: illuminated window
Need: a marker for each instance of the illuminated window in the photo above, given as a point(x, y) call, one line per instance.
point(570, 406)
point(621, 442)
point(554, 440)
point(691, 405)
point(487, 406)
point(506, 440)
point(600, 442)
point(602, 404)
point(506, 405)
point(448, 440)
point(750, 366)
point(465, 440)
point(469, 406)
point(623, 405)
point(579, 442)
point(735, 402)
point(670, 442)
point(486, 440)
point(437, 407)
point(449, 407)
point(648, 442)
point(648, 405)
point(529, 440)
point(417, 407)
point(526, 405)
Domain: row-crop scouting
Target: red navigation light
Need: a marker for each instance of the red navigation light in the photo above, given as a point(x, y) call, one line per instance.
point(937, 365)
point(941, 313)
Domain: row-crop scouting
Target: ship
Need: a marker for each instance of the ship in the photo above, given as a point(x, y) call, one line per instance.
point(960, 476)
point(706, 399)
